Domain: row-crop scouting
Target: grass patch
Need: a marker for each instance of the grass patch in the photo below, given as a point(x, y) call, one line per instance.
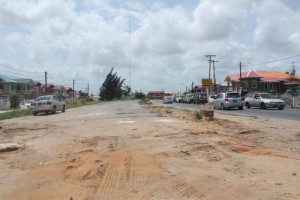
point(15, 113)
point(78, 104)
point(145, 101)
point(26, 112)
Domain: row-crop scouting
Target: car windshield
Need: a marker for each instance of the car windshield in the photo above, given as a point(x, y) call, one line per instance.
point(42, 98)
point(233, 95)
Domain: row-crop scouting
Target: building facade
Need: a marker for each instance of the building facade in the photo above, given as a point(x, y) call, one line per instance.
point(264, 81)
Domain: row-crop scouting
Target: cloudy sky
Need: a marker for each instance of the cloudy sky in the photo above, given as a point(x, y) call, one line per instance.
point(154, 45)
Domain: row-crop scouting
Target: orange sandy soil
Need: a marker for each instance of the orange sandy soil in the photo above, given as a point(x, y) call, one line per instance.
point(171, 156)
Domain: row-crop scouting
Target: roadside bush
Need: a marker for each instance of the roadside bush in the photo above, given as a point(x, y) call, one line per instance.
point(197, 115)
point(15, 101)
point(169, 111)
point(139, 95)
point(145, 101)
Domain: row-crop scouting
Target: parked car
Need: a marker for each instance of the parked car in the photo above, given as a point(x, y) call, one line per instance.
point(293, 92)
point(228, 100)
point(189, 98)
point(184, 99)
point(200, 97)
point(27, 103)
point(178, 99)
point(263, 101)
point(167, 99)
point(48, 103)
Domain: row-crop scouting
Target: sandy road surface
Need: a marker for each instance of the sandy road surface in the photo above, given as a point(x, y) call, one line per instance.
point(121, 150)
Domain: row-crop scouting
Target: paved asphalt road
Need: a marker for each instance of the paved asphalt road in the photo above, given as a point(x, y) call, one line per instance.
point(287, 114)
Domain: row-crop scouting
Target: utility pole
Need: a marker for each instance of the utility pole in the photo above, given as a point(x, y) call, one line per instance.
point(241, 79)
point(210, 60)
point(214, 68)
point(73, 90)
point(45, 82)
point(88, 89)
point(192, 87)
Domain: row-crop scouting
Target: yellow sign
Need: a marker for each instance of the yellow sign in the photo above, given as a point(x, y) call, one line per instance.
point(207, 83)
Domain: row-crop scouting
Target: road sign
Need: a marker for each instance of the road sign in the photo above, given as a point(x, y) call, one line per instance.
point(207, 83)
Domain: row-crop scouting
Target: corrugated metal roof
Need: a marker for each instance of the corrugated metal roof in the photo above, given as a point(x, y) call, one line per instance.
point(23, 80)
point(5, 79)
point(265, 76)
point(277, 74)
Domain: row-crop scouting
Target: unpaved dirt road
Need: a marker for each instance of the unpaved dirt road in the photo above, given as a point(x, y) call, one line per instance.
point(120, 150)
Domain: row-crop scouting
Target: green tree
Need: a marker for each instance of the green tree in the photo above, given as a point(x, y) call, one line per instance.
point(139, 95)
point(113, 87)
point(82, 94)
point(15, 101)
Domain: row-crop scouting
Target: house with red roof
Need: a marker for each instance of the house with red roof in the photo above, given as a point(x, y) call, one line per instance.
point(269, 81)
point(62, 91)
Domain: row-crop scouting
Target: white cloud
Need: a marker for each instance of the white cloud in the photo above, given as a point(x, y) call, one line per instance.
point(168, 39)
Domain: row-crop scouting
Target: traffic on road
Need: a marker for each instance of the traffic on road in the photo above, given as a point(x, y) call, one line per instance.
point(285, 114)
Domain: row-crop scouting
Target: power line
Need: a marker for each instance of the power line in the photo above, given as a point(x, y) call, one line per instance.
point(13, 77)
point(61, 80)
point(18, 69)
point(274, 60)
point(210, 60)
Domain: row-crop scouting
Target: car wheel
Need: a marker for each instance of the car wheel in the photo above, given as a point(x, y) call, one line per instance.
point(280, 108)
point(47, 112)
point(64, 109)
point(262, 106)
point(54, 110)
point(34, 113)
point(223, 107)
point(247, 105)
point(241, 108)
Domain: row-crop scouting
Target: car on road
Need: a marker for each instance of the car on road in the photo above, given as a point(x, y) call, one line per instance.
point(293, 92)
point(47, 104)
point(27, 103)
point(211, 98)
point(228, 100)
point(184, 99)
point(178, 99)
point(200, 97)
point(264, 101)
point(167, 99)
point(189, 98)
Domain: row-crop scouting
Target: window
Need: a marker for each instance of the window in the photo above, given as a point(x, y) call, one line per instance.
point(219, 96)
point(254, 83)
point(266, 86)
point(271, 86)
point(13, 87)
point(246, 84)
point(19, 87)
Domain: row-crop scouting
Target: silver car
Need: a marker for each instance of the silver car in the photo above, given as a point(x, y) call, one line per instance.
point(228, 100)
point(263, 101)
point(167, 99)
point(46, 104)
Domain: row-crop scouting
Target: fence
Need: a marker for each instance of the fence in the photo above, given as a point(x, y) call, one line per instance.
point(4, 104)
point(293, 101)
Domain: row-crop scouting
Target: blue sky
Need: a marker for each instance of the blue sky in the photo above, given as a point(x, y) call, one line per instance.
point(83, 40)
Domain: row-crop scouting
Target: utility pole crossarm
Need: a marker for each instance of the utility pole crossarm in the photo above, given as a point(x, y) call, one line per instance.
point(210, 60)
point(214, 68)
